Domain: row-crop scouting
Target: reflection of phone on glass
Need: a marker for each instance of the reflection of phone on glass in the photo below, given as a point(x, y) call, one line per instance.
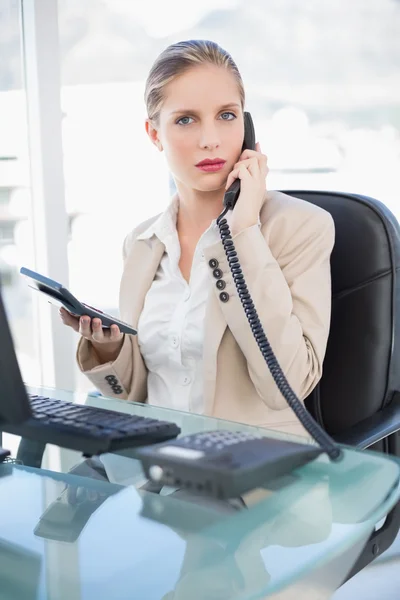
point(65, 518)
point(64, 521)
point(249, 143)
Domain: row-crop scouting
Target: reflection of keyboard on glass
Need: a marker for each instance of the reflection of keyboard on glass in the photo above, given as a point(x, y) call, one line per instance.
point(107, 429)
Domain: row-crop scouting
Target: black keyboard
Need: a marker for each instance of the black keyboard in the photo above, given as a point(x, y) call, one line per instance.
point(112, 430)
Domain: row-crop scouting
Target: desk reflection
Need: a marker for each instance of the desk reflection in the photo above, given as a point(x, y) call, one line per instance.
point(227, 549)
point(223, 540)
point(14, 561)
point(222, 562)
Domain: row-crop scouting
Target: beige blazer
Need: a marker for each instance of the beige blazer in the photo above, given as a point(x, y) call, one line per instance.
point(286, 264)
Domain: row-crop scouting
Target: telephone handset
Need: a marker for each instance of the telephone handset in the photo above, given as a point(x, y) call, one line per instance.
point(230, 198)
point(249, 143)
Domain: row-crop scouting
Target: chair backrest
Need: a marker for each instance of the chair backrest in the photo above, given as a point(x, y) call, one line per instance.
point(362, 364)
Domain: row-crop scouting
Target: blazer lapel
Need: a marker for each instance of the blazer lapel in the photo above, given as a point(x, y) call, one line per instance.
point(140, 269)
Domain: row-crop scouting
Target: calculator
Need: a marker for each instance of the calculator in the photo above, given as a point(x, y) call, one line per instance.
point(223, 464)
point(60, 296)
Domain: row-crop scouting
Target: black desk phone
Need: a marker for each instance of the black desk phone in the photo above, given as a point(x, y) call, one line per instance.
point(223, 464)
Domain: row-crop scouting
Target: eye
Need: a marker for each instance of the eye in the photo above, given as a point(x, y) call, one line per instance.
point(230, 114)
point(180, 121)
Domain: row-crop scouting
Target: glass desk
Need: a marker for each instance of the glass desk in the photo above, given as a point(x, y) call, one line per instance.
point(64, 536)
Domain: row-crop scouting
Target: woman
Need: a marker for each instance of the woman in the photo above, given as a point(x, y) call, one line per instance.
point(194, 350)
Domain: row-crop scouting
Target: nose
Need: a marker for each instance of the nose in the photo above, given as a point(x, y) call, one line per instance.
point(209, 137)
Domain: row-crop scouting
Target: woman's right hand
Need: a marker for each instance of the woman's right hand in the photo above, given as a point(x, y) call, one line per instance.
point(107, 342)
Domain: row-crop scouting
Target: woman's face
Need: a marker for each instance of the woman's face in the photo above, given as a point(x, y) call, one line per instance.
point(201, 118)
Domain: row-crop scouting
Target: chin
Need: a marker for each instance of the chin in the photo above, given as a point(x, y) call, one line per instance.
point(211, 186)
point(210, 190)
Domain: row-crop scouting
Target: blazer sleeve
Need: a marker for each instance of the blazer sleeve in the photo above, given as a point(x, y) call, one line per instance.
point(112, 379)
point(292, 296)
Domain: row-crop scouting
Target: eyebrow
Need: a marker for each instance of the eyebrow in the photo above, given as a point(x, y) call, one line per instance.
point(194, 112)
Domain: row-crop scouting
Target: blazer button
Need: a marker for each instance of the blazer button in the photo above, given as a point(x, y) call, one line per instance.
point(217, 273)
point(213, 263)
point(224, 297)
point(221, 285)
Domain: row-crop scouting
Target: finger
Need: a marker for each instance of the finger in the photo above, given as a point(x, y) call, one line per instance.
point(241, 162)
point(248, 154)
point(251, 154)
point(97, 330)
point(65, 315)
point(261, 158)
point(115, 334)
point(263, 164)
point(246, 162)
point(231, 178)
point(84, 327)
point(258, 147)
point(254, 168)
point(240, 173)
point(68, 319)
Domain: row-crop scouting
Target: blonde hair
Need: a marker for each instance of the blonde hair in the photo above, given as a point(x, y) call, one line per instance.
point(178, 58)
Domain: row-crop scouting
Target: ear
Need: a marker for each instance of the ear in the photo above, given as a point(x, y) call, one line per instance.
point(153, 134)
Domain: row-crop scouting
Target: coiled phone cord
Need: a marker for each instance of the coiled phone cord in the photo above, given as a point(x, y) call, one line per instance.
point(313, 428)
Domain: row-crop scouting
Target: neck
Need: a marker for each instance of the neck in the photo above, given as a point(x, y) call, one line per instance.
point(198, 209)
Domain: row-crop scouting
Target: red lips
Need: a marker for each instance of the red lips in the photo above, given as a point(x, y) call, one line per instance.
point(211, 161)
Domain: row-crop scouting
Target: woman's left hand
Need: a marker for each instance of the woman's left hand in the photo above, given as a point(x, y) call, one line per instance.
point(252, 170)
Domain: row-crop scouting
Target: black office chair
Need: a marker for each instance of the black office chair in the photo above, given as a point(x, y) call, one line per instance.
point(358, 398)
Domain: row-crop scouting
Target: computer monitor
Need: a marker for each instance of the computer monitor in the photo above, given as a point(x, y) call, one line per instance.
point(14, 403)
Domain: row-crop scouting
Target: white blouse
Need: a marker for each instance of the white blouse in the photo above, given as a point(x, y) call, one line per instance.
point(171, 325)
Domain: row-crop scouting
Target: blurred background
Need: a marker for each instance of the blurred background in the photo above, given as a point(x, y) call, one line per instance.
point(323, 86)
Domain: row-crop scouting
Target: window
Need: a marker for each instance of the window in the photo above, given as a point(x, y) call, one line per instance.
point(16, 244)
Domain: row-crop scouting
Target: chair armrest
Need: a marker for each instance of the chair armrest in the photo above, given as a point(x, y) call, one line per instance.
point(374, 428)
